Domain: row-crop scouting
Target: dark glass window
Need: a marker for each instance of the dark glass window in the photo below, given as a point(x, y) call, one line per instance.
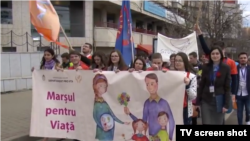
point(6, 12)
point(8, 49)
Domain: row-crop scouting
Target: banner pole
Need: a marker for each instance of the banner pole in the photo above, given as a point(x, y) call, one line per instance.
point(199, 13)
point(70, 47)
point(132, 44)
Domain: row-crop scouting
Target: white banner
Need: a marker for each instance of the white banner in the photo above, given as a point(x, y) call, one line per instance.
point(167, 46)
point(109, 107)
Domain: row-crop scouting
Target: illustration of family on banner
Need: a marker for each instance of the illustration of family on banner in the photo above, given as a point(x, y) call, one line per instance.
point(107, 106)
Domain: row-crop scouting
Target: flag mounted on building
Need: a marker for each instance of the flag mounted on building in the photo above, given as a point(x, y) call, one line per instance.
point(124, 40)
point(44, 18)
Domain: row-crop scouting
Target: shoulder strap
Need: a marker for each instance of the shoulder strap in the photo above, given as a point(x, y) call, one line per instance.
point(188, 74)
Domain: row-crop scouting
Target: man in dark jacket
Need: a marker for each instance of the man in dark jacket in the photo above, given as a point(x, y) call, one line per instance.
point(243, 89)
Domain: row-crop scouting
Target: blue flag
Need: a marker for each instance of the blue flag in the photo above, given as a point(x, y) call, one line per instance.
point(124, 41)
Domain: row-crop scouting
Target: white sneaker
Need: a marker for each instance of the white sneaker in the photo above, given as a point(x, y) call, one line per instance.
point(248, 123)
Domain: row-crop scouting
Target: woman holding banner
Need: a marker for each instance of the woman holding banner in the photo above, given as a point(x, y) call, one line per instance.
point(98, 61)
point(116, 62)
point(181, 63)
point(49, 61)
point(138, 65)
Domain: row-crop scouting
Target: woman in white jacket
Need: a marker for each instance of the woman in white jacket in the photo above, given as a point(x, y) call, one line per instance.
point(182, 64)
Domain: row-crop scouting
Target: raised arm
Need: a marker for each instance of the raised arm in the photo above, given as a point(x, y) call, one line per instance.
point(204, 46)
point(114, 117)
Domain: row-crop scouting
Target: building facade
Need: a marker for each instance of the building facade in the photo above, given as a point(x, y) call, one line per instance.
point(94, 22)
point(18, 35)
point(148, 19)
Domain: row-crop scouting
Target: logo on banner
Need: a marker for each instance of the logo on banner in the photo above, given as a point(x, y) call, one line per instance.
point(78, 78)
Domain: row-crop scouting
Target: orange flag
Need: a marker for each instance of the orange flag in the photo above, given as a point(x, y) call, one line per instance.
point(45, 19)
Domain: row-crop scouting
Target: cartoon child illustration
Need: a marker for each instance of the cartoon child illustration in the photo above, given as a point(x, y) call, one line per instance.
point(163, 121)
point(102, 114)
point(139, 125)
point(154, 105)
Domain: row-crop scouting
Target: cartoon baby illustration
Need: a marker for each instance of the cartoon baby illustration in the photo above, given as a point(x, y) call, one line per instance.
point(102, 113)
point(163, 121)
point(139, 126)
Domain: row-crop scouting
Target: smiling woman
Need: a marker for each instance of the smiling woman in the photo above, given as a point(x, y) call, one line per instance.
point(214, 89)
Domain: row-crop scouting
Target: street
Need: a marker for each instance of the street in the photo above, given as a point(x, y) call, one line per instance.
point(16, 113)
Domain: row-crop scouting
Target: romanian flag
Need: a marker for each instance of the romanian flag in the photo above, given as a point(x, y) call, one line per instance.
point(45, 19)
point(124, 41)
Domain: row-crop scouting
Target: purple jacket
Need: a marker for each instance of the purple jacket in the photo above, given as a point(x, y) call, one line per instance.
point(150, 115)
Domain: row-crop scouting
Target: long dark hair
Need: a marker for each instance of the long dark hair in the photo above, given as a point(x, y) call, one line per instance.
point(187, 65)
point(121, 64)
point(101, 56)
point(143, 62)
point(210, 63)
point(50, 51)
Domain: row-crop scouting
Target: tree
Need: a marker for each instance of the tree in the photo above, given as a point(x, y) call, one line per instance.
point(218, 20)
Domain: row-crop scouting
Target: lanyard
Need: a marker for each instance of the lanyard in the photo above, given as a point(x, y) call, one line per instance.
point(243, 74)
point(213, 75)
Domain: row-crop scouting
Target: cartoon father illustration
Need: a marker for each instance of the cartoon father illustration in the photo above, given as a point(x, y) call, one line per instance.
point(153, 106)
point(102, 114)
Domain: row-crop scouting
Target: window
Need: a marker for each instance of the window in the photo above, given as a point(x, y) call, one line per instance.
point(43, 48)
point(139, 24)
point(110, 18)
point(6, 12)
point(71, 16)
point(8, 49)
point(79, 49)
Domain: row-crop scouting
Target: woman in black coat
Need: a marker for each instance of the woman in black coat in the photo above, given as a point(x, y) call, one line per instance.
point(214, 89)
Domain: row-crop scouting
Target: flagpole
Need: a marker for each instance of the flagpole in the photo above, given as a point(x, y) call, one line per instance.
point(70, 46)
point(199, 12)
point(132, 43)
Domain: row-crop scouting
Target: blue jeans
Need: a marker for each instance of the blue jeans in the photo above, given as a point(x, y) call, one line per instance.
point(186, 120)
point(243, 102)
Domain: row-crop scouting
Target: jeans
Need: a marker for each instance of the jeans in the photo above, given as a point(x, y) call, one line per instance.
point(186, 120)
point(243, 102)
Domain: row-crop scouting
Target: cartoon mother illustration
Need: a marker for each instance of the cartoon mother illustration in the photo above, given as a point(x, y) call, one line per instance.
point(102, 114)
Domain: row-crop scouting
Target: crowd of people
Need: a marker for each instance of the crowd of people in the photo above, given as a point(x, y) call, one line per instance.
point(213, 83)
